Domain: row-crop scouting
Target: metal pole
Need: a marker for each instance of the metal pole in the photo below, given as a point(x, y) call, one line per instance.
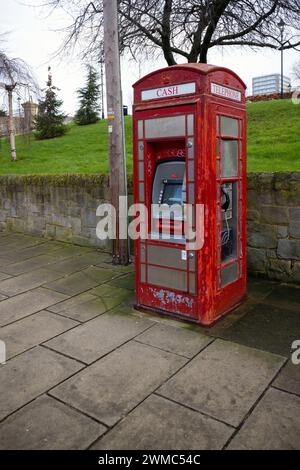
point(115, 129)
point(282, 65)
point(125, 171)
point(102, 87)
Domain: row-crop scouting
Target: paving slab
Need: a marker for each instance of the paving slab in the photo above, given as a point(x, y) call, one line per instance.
point(4, 276)
point(289, 378)
point(176, 340)
point(273, 425)
point(158, 424)
point(4, 262)
point(112, 296)
point(2, 297)
point(114, 385)
point(32, 373)
point(100, 275)
point(37, 250)
point(81, 307)
point(80, 281)
point(76, 263)
point(258, 289)
point(21, 267)
point(219, 328)
point(20, 243)
point(98, 337)
point(28, 281)
point(46, 424)
point(25, 304)
point(223, 381)
point(126, 281)
point(74, 250)
point(285, 297)
point(268, 328)
point(33, 330)
point(107, 263)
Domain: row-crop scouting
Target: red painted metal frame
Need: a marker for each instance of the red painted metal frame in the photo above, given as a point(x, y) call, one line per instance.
point(210, 302)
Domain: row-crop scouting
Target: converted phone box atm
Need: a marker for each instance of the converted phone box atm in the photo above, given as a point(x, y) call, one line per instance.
point(190, 149)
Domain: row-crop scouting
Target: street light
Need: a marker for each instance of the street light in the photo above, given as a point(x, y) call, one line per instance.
point(281, 25)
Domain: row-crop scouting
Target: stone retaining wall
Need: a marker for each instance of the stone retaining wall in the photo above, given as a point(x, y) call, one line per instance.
point(274, 226)
point(56, 207)
point(64, 208)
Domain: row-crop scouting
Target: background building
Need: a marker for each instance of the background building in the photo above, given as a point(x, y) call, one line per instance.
point(269, 84)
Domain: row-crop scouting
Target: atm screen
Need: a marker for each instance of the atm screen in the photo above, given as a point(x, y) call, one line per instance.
point(172, 193)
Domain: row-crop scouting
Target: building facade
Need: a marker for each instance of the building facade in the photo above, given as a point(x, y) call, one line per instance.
point(269, 84)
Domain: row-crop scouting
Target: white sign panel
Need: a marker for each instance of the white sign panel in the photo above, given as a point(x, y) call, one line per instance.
point(168, 91)
point(226, 92)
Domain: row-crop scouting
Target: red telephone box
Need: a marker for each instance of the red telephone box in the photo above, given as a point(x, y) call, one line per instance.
point(190, 149)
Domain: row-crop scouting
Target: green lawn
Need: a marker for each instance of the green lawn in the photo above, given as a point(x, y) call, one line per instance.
point(274, 136)
point(82, 150)
point(273, 145)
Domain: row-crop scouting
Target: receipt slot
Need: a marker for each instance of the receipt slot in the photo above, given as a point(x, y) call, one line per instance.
point(189, 131)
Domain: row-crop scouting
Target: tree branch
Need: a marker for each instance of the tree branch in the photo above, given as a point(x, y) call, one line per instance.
point(166, 33)
point(247, 30)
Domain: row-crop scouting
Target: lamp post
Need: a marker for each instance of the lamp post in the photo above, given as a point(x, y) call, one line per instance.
point(281, 25)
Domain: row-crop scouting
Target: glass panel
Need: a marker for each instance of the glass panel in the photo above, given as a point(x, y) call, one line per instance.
point(229, 127)
point(229, 274)
point(229, 158)
point(229, 235)
point(143, 253)
point(190, 121)
point(218, 170)
point(165, 127)
point(167, 257)
point(141, 171)
point(191, 171)
point(218, 147)
point(192, 261)
point(140, 130)
point(241, 158)
point(191, 149)
point(142, 192)
point(169, 278)
point(143, 273)
point(192, 283)
point(190, 213)
point(141, 150)
point(191, 193)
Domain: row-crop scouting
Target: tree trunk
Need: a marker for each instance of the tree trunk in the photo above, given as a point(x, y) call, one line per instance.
point(169, 57)
point(118, 183)
point(11, 125)
point(203, 55)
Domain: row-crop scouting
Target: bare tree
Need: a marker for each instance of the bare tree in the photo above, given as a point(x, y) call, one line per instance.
point(182, 28)
point(14, 73)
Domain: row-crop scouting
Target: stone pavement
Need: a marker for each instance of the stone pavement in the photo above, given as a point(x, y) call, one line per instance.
point(84, 370)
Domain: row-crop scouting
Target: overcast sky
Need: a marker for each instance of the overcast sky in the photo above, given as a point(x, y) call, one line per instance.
point(34, 37)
